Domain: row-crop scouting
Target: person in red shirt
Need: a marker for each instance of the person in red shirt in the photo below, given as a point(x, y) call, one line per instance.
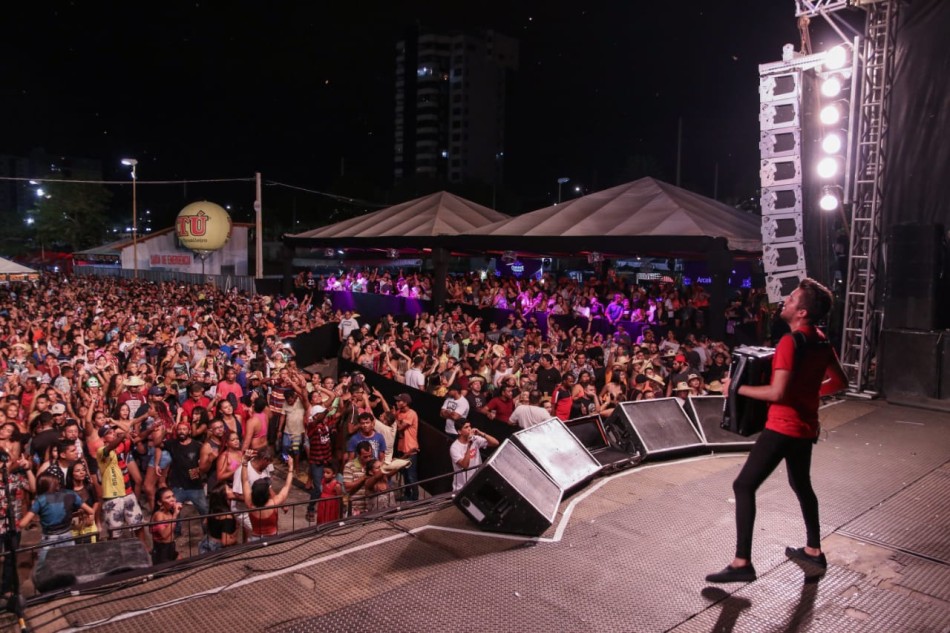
point(804, 368)
point(196, 399)
point(502, 406)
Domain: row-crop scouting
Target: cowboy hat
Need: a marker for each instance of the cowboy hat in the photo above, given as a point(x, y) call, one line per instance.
point(714, 387)
point(681, 386)
point(395, 465)
point(134, 381)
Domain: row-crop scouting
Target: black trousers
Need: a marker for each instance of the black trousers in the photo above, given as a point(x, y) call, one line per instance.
point(767, 453)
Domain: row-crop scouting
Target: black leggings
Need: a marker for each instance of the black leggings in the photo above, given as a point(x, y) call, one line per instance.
point(769, 451)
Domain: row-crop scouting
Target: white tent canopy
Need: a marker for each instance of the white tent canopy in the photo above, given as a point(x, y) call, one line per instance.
point(416, 221)
point(10, 268)
point(645, 208)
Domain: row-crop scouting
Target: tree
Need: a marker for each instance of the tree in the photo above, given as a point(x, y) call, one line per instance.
point(72, 214)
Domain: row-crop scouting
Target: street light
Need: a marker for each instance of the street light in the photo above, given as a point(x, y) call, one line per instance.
point(560, 181)
point(131, 162)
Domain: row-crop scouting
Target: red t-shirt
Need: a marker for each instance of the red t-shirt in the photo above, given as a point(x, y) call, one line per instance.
point(797, 414)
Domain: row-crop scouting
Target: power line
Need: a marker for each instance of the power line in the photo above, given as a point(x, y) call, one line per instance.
point(334, 196)
point(125, 182)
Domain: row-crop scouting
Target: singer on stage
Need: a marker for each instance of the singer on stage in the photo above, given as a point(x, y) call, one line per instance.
point(804, 368)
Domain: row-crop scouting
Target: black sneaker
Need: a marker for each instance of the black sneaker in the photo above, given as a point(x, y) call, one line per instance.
point(746, 573)
point(798, 554)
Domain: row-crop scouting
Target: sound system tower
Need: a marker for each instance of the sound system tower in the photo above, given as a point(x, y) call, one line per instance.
point(656, 428)
point(916, 290)
point(510, 493)
point(88, 562)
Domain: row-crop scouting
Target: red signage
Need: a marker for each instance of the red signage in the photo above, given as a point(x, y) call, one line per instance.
point(177, 259)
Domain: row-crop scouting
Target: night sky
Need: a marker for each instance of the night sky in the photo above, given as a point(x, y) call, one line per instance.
point(295, 89)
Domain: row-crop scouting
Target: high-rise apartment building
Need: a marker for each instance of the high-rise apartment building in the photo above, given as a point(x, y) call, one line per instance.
point(451, 92)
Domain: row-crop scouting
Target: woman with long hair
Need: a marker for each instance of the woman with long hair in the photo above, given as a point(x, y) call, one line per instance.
point(222, 529)
point(263, 501)
point(84, 527)
point(229, 459)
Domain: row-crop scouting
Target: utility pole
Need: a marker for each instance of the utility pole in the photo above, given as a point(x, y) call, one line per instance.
point(258, 230)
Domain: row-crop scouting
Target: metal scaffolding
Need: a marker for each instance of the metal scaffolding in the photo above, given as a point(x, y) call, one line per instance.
point(862, 315)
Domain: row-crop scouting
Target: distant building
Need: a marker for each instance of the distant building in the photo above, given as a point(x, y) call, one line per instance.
point(451, 97)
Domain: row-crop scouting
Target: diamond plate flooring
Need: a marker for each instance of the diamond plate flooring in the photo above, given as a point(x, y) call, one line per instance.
point(628, 553)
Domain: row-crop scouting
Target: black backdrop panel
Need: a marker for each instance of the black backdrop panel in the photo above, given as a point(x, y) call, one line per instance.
point(916, 296)
point(912, 365)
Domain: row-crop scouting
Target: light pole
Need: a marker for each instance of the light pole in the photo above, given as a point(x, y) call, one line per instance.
point(131, 162)
point(560, 182)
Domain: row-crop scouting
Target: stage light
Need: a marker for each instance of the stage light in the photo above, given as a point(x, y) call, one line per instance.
point(836, 58)
point(830, 114)
point(329, 252)
point(830, 198)
point(392, 253)
point(828, 167)
point(595, 258)
point(832, 143)
point(831, 87)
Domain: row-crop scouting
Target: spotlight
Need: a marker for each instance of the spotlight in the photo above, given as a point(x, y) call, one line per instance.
point(831, 87)
point(831, 144)
point(830, 114)
point(508, 257)
point(828, 167)
point(830, 198)
point(836, 57)
point(392, 253)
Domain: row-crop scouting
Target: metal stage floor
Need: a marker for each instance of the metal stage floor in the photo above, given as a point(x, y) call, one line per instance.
point(627, 553)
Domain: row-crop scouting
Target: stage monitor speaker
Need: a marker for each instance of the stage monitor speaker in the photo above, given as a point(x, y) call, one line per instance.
point(658, 427)
point(510, 494)
point(558, 451)
point(916, 296)
point(88, 562)
point(912, 365)
point(705, 412)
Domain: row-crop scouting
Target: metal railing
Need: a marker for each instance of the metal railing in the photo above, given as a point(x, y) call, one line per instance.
point(223, 282)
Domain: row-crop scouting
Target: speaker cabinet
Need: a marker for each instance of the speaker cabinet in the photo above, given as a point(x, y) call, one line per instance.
point(658, 427)
point(88, 562)
point(510, 493)
point(558, 451)
point(916, 297)
point(706, 414)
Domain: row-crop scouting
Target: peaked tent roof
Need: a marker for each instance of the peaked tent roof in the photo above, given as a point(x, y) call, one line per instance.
point(416, 222)
point(9, 267)
point(644, 215)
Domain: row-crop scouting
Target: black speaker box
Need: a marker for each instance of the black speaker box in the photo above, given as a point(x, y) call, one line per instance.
point(706, 412)
point(658, 427)
point(88, 562)
point(912, 365)
point(916, 297)
point(511, 494)
point(558, 451)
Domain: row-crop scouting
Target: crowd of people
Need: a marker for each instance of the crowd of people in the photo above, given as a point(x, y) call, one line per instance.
point(120, 400)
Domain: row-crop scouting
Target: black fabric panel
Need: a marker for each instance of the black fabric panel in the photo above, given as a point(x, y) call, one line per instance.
point(916, 186)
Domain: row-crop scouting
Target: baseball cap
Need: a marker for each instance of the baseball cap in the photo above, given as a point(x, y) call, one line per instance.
point(680, 358)
point(156, 391)
point(105, 428)
point(58, 409)
point(404, 397)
